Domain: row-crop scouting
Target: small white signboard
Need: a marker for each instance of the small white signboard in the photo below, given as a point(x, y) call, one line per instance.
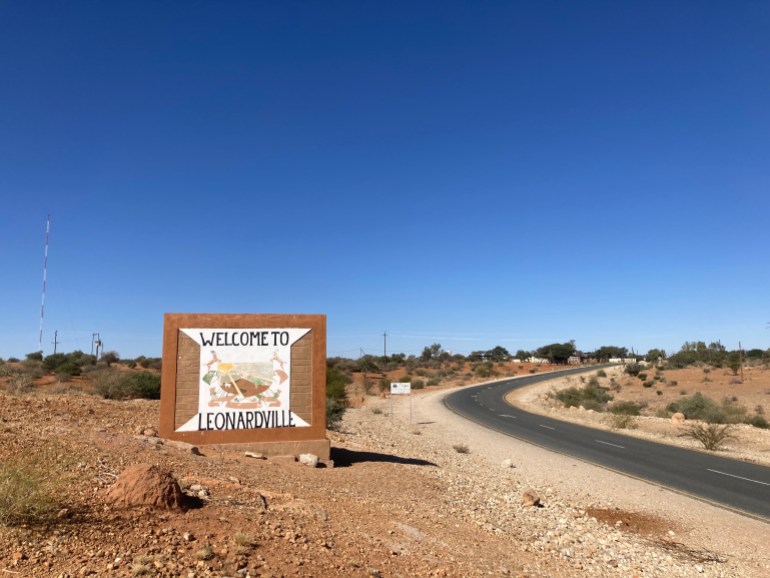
point(400, 388)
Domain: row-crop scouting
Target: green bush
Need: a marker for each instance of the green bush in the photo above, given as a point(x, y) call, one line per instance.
point(144, 385)
point(335, 409)
point(433, 382)
point(622, 421)
point(698, 406)
point(642, 376)
point(758, 421)
point(601, 373)
point(336, 380)
point(625, 408)
point(419, 383)
point(633, 369)
point(111, 383)
point(590, 397)
point(648, 383)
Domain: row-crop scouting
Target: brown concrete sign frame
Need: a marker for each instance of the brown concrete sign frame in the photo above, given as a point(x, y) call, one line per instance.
point(255, 382)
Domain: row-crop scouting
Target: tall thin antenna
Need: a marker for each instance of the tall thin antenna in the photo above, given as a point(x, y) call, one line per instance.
point(45, 270)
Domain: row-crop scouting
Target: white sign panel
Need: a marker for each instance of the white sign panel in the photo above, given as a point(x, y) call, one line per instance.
point(400, 388)
point(245, 379)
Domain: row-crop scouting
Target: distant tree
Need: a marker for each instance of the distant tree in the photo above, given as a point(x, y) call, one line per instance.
point(654, 355)
point(35, 356)
point(734, 362)
point(498, 353)
point(755, 354)
point(607, 351)
point(433, 352)
point(558, 352)
point(110, 357)
point(521, 354)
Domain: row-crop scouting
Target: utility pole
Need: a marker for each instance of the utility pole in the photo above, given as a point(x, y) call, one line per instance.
point(55, 340)
point(96, 341)
point(740, 358)
point(385, 344)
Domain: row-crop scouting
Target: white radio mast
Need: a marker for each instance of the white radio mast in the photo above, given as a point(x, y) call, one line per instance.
point(45, 269)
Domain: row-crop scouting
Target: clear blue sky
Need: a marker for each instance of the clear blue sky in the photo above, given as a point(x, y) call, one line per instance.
point(469, 173)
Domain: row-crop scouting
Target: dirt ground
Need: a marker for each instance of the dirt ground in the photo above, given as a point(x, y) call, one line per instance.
point(400, 502)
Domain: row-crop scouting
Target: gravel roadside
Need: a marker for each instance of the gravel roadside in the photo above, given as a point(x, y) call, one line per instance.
point(597, 522)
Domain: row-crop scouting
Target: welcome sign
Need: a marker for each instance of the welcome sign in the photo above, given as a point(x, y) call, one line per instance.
point(245, 378)
point(256, 380)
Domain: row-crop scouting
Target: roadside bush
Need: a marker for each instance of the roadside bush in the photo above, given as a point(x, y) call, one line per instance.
point(712, 436)
point(590, 397)
point(622, 421)
point(433, 381)
point(698, 406)
point(419, 383)
point(601, 373)
point(111, 383)
point(35, 356)
point(335, 409)
point(144, 385)
point(336, 380)
point(633, 369)
point(625, 408)
point(758, 421)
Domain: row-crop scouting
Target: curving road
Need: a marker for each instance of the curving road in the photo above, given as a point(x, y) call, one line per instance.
point(731, 484)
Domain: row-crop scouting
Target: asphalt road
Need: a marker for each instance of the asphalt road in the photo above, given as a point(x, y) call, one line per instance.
point(731, 484)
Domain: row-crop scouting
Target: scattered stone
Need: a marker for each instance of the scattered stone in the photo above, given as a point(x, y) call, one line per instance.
point(310, 460)
point(146, 485)
point(507, 463)
point(255, 455)
point(150, 432)
point(530, 498)
point(677, 418)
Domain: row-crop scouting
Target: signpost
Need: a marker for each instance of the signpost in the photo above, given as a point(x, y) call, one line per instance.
point(400, 388)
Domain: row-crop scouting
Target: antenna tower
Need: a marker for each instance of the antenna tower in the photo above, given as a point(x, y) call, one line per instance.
point(45, 270)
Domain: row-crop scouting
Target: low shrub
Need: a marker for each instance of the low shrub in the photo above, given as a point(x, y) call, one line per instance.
point(698, 406)
point(112, 383)
point(642, 376)
point(712, 436)
point(622, 421)
point(461, 449)
point(335, 410)
point(758, 421)
point(590, 397)
point(601, 373)
point(633, 369)
point(625, 408)
point(648, 383)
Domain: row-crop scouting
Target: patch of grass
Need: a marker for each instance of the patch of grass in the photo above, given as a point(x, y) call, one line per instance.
point(376, 411)
point(601, 373)
point(205, 552)
point(29, 491)
point(461, 449)
point(243, 542)
point(142, 566)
